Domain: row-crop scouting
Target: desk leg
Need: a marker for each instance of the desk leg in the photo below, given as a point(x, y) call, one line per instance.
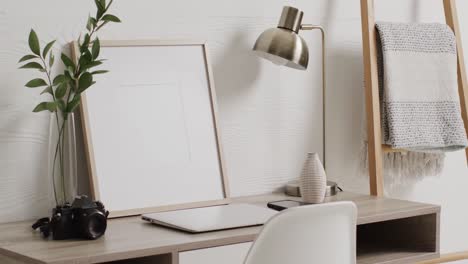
point(175, 257)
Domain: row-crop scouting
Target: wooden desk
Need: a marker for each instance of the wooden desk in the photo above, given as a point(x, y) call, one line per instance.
point(389, 231)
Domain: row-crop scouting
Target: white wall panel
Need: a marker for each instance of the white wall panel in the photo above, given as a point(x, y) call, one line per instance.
point(269, 116)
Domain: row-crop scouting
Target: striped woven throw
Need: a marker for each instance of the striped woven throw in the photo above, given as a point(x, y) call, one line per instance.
point(418, 87)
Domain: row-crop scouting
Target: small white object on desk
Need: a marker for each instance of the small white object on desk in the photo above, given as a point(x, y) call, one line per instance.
point(212, 218)
point(313, 180)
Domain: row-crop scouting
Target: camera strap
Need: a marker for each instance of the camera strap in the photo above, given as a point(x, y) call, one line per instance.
point(41, 222)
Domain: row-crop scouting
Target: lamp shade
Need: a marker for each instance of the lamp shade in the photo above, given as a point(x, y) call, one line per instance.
point(282, 45)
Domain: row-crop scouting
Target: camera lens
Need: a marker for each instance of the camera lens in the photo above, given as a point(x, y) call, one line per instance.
point(95, 225)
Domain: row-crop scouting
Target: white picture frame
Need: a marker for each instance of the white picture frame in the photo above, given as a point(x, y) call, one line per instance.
point(191, 176)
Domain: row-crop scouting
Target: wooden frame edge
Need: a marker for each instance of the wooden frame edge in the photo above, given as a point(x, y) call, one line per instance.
point(151, 42)
point(451, 18)
point(87, 140)
point(89, 151)
point(374, 133)
point(214, 111)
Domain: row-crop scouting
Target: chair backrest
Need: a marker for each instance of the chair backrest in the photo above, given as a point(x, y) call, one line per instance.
point(323, 233)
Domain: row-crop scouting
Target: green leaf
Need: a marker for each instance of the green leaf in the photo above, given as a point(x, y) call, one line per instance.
point(34, 43)
point(100, 9)
point(71, 73)
point(85, 44)
point(67, 61)
point(67, 74)
point(103, 3)
point(27, 57)
point(47, 48)
point(47, 90)
point(88, 54)
point(61, 105)
point(99, 4)
point(79, 39)
point(59, 79)
point(93, 21)
point(32, 65)
point(99, 14)
point(111, 18)
point(91, 65)
point(85, 59)
point(99, 72)
point(89, 24)
point(51, 60)
point(61, 90)
point(40, 107)
point(36, 83)
point(73, 103)
point(96, 49)
point(51, 106)
point(86, 80)
point(72, 86)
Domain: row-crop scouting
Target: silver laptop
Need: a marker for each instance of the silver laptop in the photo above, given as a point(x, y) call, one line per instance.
point(212, 218)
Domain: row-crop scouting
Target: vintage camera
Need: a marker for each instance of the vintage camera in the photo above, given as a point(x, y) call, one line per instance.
point(84, 218)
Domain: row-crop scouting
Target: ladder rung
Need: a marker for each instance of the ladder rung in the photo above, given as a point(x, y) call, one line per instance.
point(389, 149)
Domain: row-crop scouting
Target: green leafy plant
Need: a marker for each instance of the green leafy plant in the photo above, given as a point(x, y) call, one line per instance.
point(65, 89)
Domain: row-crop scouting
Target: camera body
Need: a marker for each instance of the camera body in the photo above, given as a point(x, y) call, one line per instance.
point(84, 218)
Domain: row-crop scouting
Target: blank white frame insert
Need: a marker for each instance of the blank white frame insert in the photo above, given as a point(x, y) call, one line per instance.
point(150, 129)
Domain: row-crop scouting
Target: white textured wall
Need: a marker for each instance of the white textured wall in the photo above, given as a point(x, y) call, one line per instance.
point(269, 116)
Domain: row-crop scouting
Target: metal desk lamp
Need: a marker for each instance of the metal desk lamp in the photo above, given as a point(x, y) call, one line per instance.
point(283, 46)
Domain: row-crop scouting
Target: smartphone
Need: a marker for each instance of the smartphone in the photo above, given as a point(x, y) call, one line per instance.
point(284, 204)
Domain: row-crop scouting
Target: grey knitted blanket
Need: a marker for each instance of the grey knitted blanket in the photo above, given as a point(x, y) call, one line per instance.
point(418, 87)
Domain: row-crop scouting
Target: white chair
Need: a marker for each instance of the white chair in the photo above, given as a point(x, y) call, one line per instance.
point(312, 234)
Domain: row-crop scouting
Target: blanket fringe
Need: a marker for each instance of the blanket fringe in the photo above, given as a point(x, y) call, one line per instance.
point(403, 168)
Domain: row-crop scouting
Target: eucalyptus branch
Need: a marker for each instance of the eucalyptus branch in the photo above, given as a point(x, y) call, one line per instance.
point(75, 79)
point(57, 147)
point(62, 145)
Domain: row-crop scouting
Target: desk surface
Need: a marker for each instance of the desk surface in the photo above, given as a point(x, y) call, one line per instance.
point(131, 237)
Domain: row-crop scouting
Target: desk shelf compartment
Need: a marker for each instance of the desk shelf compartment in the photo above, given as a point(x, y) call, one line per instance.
point(405, 240)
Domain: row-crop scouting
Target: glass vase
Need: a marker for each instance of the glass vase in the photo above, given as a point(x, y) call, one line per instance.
point(62, 163)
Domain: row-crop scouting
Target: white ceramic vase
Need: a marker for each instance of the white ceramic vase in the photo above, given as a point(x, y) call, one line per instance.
point(313, 180)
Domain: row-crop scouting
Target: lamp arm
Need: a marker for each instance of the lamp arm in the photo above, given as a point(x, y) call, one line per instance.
point(312, 27)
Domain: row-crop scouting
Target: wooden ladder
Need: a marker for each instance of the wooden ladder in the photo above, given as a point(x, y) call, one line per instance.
point(375, 147)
